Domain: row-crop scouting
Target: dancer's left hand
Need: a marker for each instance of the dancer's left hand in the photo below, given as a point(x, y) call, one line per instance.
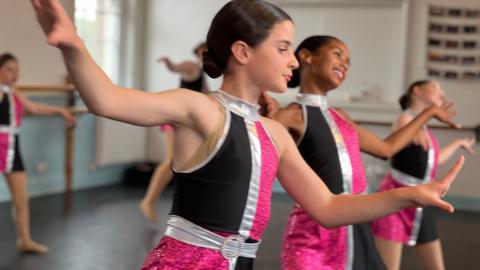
point(431, 194)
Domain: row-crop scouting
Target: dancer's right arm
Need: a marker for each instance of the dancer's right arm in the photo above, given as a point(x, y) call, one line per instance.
point(330, 210)
point(100, 95)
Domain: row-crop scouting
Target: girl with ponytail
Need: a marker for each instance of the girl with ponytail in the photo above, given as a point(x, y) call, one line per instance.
point(415, 164)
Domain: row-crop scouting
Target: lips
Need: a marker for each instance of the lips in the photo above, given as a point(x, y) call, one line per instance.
point(340, 74)
point(288, 77)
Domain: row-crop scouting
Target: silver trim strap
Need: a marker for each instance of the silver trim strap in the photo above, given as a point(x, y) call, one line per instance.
point(345, 163)
point(249, 112)
point(408, 180)
point(230, 247)
point(417, 222)
point(219, 143)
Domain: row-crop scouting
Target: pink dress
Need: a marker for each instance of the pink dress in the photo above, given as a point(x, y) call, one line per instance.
point(330, 145)
point(410, 167)
point(10, 121)
point(229, 193)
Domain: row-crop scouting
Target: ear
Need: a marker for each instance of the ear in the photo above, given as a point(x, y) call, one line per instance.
point(416, 90)
point(241, 52)
point(305, 56)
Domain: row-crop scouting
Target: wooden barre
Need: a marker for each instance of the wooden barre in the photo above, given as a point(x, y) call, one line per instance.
point(46, 88)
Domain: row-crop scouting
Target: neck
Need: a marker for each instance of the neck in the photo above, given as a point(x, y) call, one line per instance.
point(417, 107)
point(308, 85)
point(240, 88)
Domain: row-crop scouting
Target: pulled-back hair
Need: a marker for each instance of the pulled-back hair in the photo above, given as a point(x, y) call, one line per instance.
point(312, 44)
point(406, 99)
point(4, 58)
point(250, 21)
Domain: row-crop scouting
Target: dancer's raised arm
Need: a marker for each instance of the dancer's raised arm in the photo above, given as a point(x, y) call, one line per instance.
point(100, 94)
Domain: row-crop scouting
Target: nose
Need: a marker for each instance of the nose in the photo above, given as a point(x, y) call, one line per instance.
point(293, 64)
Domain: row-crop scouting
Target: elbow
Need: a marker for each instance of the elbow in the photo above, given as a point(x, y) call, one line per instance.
point(387, 154)
point(328, 222)
point(99, 110)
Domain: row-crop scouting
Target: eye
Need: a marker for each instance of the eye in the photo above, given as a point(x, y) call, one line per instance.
point(282, 50)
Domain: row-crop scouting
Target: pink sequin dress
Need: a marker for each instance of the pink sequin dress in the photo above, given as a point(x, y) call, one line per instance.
point(411, 166)
point(229, 193)
point(11, 111)
point(330, 145)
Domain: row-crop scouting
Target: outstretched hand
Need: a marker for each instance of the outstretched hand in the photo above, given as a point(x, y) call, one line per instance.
point(445, 113)
point(468, 144)
point(431, 194)
point(55, 23)
point(69, 118)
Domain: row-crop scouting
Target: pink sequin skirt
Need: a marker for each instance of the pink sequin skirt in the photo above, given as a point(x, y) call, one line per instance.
point(397, 226)
point(309, 246)
point(172, 254)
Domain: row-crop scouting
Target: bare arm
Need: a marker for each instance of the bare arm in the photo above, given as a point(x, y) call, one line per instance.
point(44, 109)
point(447, 151)
point(188, 70)
point(309, 191)
point(401, 137)
point(101, 96)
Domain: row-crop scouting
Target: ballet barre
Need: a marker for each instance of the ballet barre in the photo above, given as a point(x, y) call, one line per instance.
point(474, 129)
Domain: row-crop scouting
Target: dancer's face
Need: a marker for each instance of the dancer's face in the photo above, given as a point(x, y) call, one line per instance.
point(273, 60)
point(9, 73)
point(330, 64)
point(431, 94)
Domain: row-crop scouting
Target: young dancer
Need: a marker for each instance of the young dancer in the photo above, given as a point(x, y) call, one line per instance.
point(225, 155)
point(12, 106)
point(191, 73)
point(330, 142)
point(193, 78)
point(414, 165)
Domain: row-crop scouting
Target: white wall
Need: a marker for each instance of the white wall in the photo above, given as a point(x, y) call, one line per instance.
point(174, 28)
point(21, 35)
point(465, 94)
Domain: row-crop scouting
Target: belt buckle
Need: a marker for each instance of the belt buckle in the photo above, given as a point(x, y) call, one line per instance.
point(229, 255)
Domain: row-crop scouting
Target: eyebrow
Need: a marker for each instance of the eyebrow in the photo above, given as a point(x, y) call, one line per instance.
point(338, 48)
point(286, 42)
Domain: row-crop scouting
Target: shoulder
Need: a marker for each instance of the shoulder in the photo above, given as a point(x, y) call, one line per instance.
point(292, 112)
point(345, 115)
point(279, 134)
point(403, 119)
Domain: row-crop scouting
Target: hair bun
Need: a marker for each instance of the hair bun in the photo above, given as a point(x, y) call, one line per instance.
point(210, 66)
point(295, 80)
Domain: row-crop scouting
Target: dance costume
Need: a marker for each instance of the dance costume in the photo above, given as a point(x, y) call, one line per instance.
point(410, 167)
point(331, 147)
point(11, 111)
point(221, 207)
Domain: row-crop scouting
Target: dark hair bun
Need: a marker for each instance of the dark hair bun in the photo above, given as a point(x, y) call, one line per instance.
point(210, 66)
point(404, 101)
point(295, 81)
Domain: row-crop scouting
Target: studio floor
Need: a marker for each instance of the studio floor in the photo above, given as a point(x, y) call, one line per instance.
point(102, 228)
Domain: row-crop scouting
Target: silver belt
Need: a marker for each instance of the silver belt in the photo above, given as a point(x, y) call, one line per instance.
point(405, 179)
point(9, 129)
point(230, 247)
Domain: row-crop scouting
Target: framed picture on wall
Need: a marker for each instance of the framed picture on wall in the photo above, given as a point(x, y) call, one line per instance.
point(453, 42)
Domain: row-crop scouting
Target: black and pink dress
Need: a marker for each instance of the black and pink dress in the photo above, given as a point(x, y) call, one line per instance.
point(221, 207)
point(11, 111)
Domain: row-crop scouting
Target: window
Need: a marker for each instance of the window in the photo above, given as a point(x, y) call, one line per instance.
point(98, 24)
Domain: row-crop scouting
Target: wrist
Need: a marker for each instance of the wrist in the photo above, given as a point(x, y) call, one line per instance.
point(403, 197)
point(431, 111)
